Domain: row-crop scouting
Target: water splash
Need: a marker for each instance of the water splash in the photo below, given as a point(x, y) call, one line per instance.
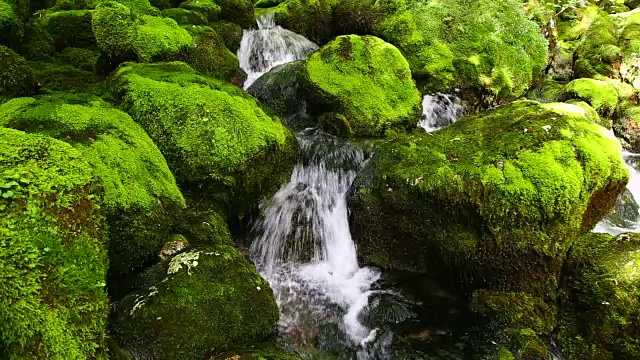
point(270, 46)
point(439, 110)
point(625, 217)
point(304, 248)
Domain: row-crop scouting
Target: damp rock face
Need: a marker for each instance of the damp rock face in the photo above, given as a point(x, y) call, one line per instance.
point(499, 196)
point(208, 299)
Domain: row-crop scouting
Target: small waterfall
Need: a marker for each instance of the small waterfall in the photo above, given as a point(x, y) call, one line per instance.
point(270, 46)
point(625, 217)
point(439, 110)
point(304, 248)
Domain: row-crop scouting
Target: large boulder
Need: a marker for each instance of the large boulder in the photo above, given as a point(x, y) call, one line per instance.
point(497, 197)
point(488, 46)
point(215, 137)
point(53, 249)
point(140, 193)
point(207, 299)
point(601, 95)
point(16, 77)
point(71, 28)
point(366, 80)
point(601, 299)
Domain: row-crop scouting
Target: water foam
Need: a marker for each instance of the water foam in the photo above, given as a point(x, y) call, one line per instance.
point(439, 110)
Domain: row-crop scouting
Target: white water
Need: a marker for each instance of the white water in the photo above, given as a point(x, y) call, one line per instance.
point(304, 247)
point(631, 160)
point(270, 46)
point(439, 110)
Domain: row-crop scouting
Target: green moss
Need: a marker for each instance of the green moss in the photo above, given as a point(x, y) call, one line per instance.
point(38, 43)
point(238, 11)
point(211, 133)
point(548, 91)
point(70, 28)
point(521, 180)
point(185, 17)
point(525, 321)
point(598, 51)
point(83, 59)
point(140, 7)
point(138, 186)
point(212, 299)
point(591, 114)
point(158, 38)
point(208, 8)
point(366, 80)
point(627, 126)
point(230, 33)
point(16, 77)
point(601, 95)
point(55, 77)
point(210, 57)
point(52, 299)
point(114, 28)
point(267, 3)
point(11, 27)
point(72, 4)
point(602, 299)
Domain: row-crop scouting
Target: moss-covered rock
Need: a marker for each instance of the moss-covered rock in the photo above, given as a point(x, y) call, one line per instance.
point(52, 244)
point(498, 197)
point(524, 323)
point(185, 17)
point(238, 11)
point(601, 95)
point(122, 35)
point(16, 77)
point(83, 59)
point(213, 135)
point(211, 57)
point(208, 8)
point(598, 52)
point(211, 299)
point(56, 77)
point(367, 81)
point(281, 89)
point(11, 27)
point(139, 190)
point(230, 33)
point(627, 127)
point(601, 299)
point(69, 28)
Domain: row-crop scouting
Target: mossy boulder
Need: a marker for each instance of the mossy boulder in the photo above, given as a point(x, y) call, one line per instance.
point(213, 135)
point(83, 59)
point(211, 299)
point(11, 27)
point(211, 57)
point(140, 193)
point(122, 35)
point(601, 299)
point(208, 8)
point(598, 51)
point(524, 323)
point(57, 77)
point(627, 127)
point(366, 80)
point(16, 77)
point(71, 28)
point(185, 17)
point(601, 95)
point(238, 11)
point(497, 197)
point(54, 261)
point(230, 33)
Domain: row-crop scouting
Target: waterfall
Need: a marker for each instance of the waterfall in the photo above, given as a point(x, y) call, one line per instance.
point(439, 110)
point(304, 248)
point(625, 217)
point(270, 46)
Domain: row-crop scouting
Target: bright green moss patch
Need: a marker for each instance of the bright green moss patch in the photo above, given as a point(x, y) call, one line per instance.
point(520, 180)
point(602, 299)
point(366, 80)
point(114, 28)
point(185, 17)
point(138, 186)
point(212, 299)
point(16, 77)
point(69, 28)
point(52, 299)
point(208, 8)
point(601, 95)
point(210, 132)
point(11, 27)
point(56, 77)
point(598, 50)
point(158, 38)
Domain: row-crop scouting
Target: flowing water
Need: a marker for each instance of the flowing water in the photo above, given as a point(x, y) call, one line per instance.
point(439, 110)
point(270, 46)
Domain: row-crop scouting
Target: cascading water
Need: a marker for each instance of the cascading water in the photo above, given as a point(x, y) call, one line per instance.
point(304, 247)
point(270, 46)
point(439, 110)
point(302, 243)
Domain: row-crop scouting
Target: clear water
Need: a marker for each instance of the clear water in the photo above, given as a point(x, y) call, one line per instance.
point(270, 46)
point(439, 110)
